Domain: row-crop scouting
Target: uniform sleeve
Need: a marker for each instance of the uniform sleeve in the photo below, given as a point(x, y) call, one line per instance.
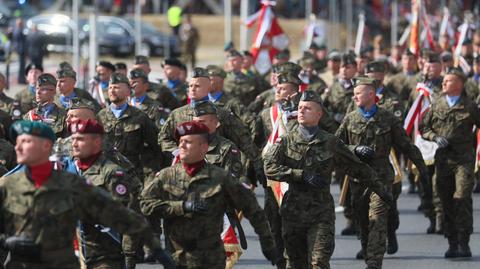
point(154, 200)
point(165, 136)
point(274, 164)
point(426, 126)
point(233, 164)
point(402, 143)
point(352, 165)
point(475, 112)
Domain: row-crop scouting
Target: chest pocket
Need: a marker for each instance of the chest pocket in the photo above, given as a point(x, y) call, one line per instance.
point(294, 156)
point(209, 191)
point(319, 158)
point(175, 191)
point(383, 139)
point(16, 206)
point(129, 128)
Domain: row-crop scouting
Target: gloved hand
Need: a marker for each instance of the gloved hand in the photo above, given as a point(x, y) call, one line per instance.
point(198, 207)
point(260, 173)
point(364, 153)
point(441, 141)
point(24, 247)
point(269, 250)
point(314, 179)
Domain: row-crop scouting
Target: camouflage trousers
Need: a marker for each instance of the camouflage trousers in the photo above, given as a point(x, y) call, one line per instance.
point(106, 264)
point(393, 215)
point(431, 207)
point(272, 211)
point(309, 246)
point(372, 217)
point(455, 185)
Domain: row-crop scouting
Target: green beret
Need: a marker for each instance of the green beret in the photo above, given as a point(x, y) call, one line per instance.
point(284, 54)
point(306, 60)
point(457, 72)
point(35, 128)
point(311, 96)
point(215, 70)
point(46, 79)
point(287, 67)
point(199, 72)
point(66, 73)
point(288, 78)
point(364, 80)
point(446, 56)
point(140, 59)
point(348, 58)
point(233, 53)
point(78, 102)
point(64, 65)
point(137, 73)
point(375, 67)
point(117, 78)
point(432, 57)
point(204, 108)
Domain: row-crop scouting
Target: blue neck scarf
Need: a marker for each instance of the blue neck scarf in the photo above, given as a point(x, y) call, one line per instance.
point(380, 90)
point(31, 88)
point(370, 113)
point(172, 84)
point(66, 99)
point(137, 100)
point(104, 84)
point(193, 102)
point(118, 110)
point(213, 98)
point(476, 77)
point(47, 109)
point(452, 100)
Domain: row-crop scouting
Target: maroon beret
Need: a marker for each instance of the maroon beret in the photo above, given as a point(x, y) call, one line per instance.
point(190, 128)
point(85, 127)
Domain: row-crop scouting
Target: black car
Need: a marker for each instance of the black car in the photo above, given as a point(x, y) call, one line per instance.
point(114, 35)
point(153, 41)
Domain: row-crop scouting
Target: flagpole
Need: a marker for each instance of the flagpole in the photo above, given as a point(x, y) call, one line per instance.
point(349, 19)
point(228, 20)
point(394, 23)
point(243, 28)
point(359, 39)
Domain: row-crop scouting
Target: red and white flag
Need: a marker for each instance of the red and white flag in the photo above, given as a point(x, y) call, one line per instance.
point(269, 38)
point(415, 28)
point(477, 152)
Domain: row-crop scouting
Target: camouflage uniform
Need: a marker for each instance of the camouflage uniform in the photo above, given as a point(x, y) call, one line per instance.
point(263, 100)
point(241, 86)
point(7, 156)
point(179, 93)
point(225, 154)
point(403, 84)
point(5, 103)
point(26, 98)
point(195, 238)
point(163, 95)
point(55, 117)
point(472, 87)
point(79, 93)
point(338, 99)
point(454, 164)
point(236, 107)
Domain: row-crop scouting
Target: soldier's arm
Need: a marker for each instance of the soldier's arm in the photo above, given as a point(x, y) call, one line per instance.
point(352, 165)
point(234, 165)
point(274, 164)
point(475, 112)
point(165, 136)
point(342, 133)
point(426, 127)
point(327, 123)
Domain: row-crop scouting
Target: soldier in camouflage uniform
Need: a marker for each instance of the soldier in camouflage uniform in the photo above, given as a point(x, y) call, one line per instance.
point(7, 156)
point(26, 97)
point(449, 123)
point(308, 75)
point(333, 67)
point(100, 249)
point(371, 132)
point(5, 101)
point(172, 69)
point(128, 129)
point(155, 91)
point(47, 111)
point(431, 75)
point(40, 206)
point(472, 85)
point(192, 197)
point(304, 158)
point(98, 86)
point(404, 82)
point(231, 127)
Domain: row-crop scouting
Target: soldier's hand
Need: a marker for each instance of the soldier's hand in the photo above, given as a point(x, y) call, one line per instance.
point(198, 207)
point(441, 141)
point(22, 246)
point(364, 153)
point(314, 179)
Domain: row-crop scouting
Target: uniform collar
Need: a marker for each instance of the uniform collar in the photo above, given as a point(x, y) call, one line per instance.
point(118, 111)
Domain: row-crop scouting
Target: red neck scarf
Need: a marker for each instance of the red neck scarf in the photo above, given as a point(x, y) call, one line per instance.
point(84, 164)
point(40, 173)
point(193, 168)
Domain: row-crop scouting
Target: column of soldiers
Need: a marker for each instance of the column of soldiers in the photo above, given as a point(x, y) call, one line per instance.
point(137, 159)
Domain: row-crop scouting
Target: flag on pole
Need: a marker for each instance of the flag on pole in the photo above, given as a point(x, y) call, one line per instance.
point(415, 28)
point(269, 38)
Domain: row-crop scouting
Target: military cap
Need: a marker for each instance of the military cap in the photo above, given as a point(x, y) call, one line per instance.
point(199, 72)
point(66, 73)
point(106, 64)
point(287, 67)
point(348, 58)
point(190, 128)
point(307, 60)
point(432, 57)
point(335, 56)
point(247, 53)
point(33, 66)
point(322, 46)
point(364, 80)
point(140, 59)
point(46, 79)
point(65, 65)
point(284, 54)
point(228, 46)
point(467, 42)
point(311, 96)
point(78, 102)
point(375, 67)
point(446, 56)
point(120, 65)
point(117, 78)
point(137, 73)
point(233, 53)
point(288, 78)
point(204, 108)
point(35, 128)
point(172, 62)
point(215, 70)
point(314, 46)
point(457, 72)
point(88, 126)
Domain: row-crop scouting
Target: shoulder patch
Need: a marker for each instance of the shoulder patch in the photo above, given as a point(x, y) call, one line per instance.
point(121, 189)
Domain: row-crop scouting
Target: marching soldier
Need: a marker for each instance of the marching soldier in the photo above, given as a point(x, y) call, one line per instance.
point(172, 70)
point(5, 101)
point(26, 97)
point(308, 75)
point(449, 123)
point(192, 197)
point(371, 132)
point(47, 111)
point(7, 156)
point(333, 67)
point(404, 82)
point(190, 38)
point(98, 86)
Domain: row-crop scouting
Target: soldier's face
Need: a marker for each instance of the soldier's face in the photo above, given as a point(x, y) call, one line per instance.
point(144, 67)
point(192, 148)
point(139, 87)
point(86, 145)
point(32, 76)
point(211, 121)
point(364, 95)
point(235, 63)
point(171, 72)
point(309, 113)
point(434, 70)
point(452, 85)
point(334, 65)
point(44, 94)
point(103, 73)
point(65, 85)
point(199, 88)
point(79, 114)
point(32, 150)
point(118, 93)
point(408, 63)
point(284, 90)
point(247, 62)
point(347, 71)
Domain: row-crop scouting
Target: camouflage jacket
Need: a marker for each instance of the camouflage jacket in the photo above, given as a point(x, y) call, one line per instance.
point(338, 100)
point(7, 155)
point(154, 110)
point(195, 238)
point(292, 154)
point(55, 119)
point(403, 85)
point(234, 105)
point(472, 88)
point(6, 103)
point(163, 95)
point(179, 93)
point(262, 101)
point(242, 87)
point(455, 124)
point(26, 97)
point(225, 154)
point(80, 94)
